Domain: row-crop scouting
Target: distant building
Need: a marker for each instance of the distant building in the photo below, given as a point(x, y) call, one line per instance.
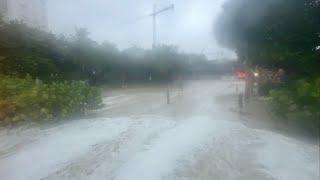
point(3, 7)
point(31, 12)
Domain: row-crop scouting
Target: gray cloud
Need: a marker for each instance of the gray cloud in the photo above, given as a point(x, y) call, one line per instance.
point(189, 26)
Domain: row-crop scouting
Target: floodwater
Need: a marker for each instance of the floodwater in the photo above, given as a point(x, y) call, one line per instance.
point(139, 136)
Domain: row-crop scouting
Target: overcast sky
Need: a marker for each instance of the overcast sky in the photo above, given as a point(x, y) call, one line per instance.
point(189, 26)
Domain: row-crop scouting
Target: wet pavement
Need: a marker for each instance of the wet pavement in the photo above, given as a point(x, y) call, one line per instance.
point(137, 135)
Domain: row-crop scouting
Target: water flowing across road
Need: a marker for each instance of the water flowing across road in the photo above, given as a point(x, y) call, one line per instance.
point(138, 136)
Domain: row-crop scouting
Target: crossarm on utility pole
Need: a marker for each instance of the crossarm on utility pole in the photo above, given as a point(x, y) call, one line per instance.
point(156, 12)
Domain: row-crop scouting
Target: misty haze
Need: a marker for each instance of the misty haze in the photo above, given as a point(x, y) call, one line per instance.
point(160, 89)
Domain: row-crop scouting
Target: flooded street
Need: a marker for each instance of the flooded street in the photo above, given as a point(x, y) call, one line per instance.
point(137, 135)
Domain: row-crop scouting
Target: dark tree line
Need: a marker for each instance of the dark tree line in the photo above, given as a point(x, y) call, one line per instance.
point(273, 33)
point(25, 50)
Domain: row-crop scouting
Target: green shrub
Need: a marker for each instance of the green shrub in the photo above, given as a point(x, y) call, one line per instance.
point(264, 88)
point(26, 99)
point(299, 103)
point(32, 64)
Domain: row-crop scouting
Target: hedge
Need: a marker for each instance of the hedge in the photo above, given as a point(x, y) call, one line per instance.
point(26, 99)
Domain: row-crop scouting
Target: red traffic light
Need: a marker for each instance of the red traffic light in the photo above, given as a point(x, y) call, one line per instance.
point(242, 75)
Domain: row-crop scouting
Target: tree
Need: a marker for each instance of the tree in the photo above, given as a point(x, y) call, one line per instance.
point(273, 33)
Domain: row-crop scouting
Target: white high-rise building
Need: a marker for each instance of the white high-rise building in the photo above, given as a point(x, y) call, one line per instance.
point(31, 12)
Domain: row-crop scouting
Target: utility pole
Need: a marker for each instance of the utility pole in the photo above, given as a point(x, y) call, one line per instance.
point(154, 15)
point(154, 22)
